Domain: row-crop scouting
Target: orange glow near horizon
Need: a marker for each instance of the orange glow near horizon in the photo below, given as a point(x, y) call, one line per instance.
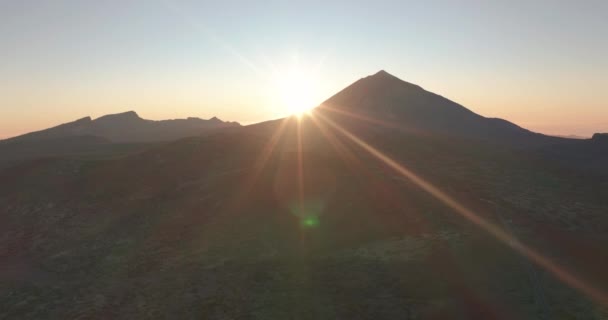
point(279, 90)
point(293, 96)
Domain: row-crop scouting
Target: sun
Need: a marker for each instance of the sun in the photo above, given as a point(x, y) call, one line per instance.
point(296, 90)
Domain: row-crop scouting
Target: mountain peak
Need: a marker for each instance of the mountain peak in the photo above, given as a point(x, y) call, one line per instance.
point(383, 79)
point(83, 120)
point(388, 99)
point(373, 91)
point(382, 73)
point(127, 114)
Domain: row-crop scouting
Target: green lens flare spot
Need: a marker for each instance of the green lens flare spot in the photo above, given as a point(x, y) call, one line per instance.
point(310, 221)
point(308, 212)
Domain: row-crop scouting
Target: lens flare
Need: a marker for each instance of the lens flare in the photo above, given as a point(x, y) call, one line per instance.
point(537, 258)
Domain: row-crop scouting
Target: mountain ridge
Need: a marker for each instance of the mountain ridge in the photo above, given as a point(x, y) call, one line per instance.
point(126, 127)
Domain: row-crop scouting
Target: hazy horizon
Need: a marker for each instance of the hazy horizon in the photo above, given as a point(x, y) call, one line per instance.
point(535, 64)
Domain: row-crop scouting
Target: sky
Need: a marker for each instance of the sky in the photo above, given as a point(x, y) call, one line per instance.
point(540, 64)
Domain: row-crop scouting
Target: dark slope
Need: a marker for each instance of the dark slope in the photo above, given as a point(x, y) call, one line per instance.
point(217, 227)
point(70, 129)
point(586, 155)
point(406, 106)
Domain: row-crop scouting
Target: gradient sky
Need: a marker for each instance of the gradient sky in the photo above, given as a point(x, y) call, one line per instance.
point(540, 64)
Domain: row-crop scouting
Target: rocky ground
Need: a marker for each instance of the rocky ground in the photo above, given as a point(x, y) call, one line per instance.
point(212, 228)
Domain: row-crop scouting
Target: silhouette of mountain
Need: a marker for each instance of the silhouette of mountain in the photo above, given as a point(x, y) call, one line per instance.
point(600, 137)
point(381, 105)
point(109, 135)
point(128, 127)
point(387, 99)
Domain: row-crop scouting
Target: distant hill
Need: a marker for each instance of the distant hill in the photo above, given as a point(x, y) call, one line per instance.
point(397, 104)
point(127, 127)
point(110, 135)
